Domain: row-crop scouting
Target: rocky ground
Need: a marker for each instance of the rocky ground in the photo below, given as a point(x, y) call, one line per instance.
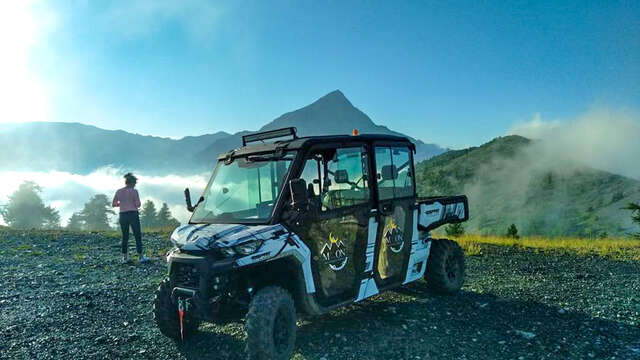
point(66, 296)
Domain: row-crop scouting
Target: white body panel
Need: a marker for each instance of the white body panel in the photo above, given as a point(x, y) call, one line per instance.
point(419, 254)
point(277, 242)
point(368, 285)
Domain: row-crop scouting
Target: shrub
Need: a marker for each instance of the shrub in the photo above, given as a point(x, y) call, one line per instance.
point(454, 230)
point(512, 232)
point(635, 214)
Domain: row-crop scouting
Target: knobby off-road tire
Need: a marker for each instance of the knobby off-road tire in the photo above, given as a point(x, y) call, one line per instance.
point(445, 267)
point(271, 325)
point(165, 314)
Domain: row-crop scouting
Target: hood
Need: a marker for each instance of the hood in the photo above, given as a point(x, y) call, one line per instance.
point(204, 237)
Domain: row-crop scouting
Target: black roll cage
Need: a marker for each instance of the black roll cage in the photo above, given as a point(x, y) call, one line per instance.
point(304, 145)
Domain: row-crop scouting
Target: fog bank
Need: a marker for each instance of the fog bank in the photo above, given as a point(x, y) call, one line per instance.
point(69, 192)
point(605, 139)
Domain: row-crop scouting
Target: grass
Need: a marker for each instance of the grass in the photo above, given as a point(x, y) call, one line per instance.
point(24, 247)
point(79, 257)
point(616, 248)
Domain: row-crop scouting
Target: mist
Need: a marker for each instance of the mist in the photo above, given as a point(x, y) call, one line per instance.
point(68, 192)
point(565, 181)
point(606, 139)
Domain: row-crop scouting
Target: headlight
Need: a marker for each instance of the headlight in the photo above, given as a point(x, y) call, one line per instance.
point(228, 251)
point(248, 247)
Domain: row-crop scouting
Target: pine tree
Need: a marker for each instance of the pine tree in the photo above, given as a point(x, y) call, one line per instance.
point(96, 213)
point(454, 230)
point(512, 231)
point(51, 218)
point(26, 210)
point(76, 222)
point(164, 218)
point(635, 214)
point(148, 215)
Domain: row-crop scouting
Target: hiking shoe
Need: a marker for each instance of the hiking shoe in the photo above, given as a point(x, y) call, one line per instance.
point(126, 260)
point(143, 259)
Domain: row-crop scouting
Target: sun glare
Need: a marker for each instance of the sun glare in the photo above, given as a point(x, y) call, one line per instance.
point(23, 96)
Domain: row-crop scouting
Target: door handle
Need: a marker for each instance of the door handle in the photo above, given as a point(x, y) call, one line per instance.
point(386, 209)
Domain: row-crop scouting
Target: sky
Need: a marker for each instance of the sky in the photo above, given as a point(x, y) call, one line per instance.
point(453, 73)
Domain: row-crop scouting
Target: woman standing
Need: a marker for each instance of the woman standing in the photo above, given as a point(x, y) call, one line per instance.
point(128, 200)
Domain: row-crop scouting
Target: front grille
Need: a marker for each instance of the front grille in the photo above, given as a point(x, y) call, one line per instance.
point(186, 276)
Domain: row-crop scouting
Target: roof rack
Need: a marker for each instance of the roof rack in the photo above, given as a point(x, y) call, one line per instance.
point(271, 134)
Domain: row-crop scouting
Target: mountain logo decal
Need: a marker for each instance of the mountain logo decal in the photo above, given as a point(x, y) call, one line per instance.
point(334, 253)
point(393, 236)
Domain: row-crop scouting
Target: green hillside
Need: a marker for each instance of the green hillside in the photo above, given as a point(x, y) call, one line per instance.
point(516, 180)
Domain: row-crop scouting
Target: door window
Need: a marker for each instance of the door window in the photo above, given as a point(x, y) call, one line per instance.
point(338, 178)
point(347, 179)
point(384, 166)
point(403, 184)
point(394, 177)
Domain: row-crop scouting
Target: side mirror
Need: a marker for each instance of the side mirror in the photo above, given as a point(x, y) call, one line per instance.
point(341, 177)
point(187, 198)
point(299, 196)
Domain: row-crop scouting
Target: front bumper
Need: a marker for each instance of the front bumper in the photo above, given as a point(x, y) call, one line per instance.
point(191, 278)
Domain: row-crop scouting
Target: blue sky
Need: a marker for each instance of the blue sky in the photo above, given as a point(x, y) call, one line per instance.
point(453, 73)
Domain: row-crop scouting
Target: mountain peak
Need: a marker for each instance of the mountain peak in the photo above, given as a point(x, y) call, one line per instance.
point(331, 114)
point(334, 98)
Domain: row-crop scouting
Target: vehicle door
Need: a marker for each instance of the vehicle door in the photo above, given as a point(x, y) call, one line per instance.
point(395, 202)
point(339, 194)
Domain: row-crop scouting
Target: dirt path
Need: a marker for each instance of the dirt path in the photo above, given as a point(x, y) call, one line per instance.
point(65, 296)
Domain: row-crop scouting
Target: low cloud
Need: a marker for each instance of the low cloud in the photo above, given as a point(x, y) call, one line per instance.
point(69, 192)
point(605, 139)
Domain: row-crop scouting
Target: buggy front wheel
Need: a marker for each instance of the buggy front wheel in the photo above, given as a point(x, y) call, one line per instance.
point(271, 325)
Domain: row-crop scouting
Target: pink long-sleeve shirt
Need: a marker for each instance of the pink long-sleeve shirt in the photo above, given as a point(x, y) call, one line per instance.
point(127, 199)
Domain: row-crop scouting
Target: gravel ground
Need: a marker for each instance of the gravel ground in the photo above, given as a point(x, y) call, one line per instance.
point(66, 296)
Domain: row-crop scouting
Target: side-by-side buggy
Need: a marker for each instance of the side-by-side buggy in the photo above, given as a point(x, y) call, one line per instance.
point(293, 224)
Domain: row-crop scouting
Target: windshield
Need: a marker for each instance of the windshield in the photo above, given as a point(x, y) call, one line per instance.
point(244, 190)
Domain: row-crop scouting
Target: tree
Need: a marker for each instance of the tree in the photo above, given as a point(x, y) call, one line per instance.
point(512, 231)
point(454, 230)
point(164, 218)
point(96, 213)
point(148, 215)
point(635, 214)
point(51, 218)
point(76, 222)
point(25, 209)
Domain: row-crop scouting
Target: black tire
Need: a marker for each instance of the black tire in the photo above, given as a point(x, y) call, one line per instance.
point(445, 267)
point(271, 325)
point(165, 314)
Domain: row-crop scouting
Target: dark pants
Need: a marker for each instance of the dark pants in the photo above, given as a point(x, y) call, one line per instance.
point(130, 219)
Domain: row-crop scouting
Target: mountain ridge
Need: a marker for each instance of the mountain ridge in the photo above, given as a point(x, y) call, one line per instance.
point(82, 148)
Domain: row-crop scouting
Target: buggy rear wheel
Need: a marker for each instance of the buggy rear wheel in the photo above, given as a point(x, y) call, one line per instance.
point(445, 267)
point(271, 325)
